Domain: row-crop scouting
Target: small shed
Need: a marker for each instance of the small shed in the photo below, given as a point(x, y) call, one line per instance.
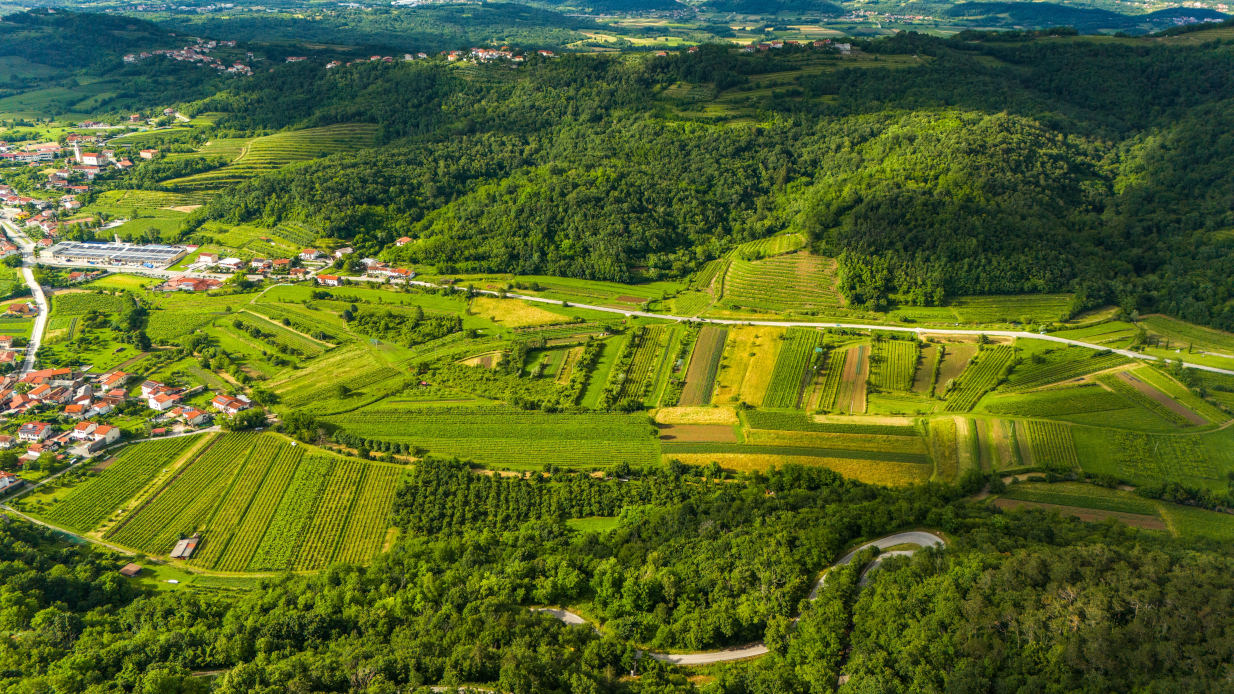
point(130, 570)
point(184, 548)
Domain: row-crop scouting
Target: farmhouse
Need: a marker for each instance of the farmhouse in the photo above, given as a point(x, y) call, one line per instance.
point(113, 379)
point(345, 250)
point(310, 254)
point(162, 402)
point(8, 480)
point(191, 416)
point(6, 442)
point(192, 284)
point(328, 280)
point(208, 258)
point(229, 405)
point(232, 264)
point(403, 241)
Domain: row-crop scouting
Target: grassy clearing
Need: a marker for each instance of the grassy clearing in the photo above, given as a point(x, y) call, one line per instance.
point(1056, 403)
point(1182, 334)
point(1082, 496)
point(1200, 460)
point(512, 313)
point(593, 524)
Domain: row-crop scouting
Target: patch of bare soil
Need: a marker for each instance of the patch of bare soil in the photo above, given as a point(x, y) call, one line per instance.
point(682, 433)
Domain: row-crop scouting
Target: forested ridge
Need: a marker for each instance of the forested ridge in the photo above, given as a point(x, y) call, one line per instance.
point(1043, 167)
point(1015, 602)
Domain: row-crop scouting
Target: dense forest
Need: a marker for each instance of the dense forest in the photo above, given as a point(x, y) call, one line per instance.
point(991, 167)
point(1015, 602)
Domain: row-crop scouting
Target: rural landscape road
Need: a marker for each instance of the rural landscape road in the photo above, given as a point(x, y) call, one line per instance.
point(917, 537)
point(40, 321)
point(850, 326)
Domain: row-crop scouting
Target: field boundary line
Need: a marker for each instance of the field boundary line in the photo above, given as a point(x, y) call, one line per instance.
point(323, 343)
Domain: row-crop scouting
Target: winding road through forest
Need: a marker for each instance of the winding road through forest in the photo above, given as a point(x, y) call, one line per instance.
point(917, 537)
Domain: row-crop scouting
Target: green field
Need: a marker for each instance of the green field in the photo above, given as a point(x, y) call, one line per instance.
point(1188, 336)
point(794, 365)
point(1142, 458)
point(503, 436)
point(981, 375)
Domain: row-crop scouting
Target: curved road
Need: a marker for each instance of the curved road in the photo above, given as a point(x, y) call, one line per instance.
point(853, 326)
point(40, 321)
point(916, 537)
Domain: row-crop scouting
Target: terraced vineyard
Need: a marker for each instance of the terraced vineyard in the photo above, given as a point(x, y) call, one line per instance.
point(1180, 393)
point(1052, 445)
point(797, 282)
point(92, 501)
point(893, 364)
point(1060, 365)
point(264, 154)
point(507, 436)
point(773, 245)
point(978, 378)
point(150, 198)
point(297, 233)
point(792, 368)
point(186, 502)
point(713, 269)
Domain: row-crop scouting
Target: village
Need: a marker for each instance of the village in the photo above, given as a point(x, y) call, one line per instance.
point(63, 415)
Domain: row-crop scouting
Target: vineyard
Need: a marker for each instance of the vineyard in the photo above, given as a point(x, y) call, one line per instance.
point(703, 279)
point(322, 398)
point(1122, 384)
point(793, 367)
point(92, 501)
point(282, 337)
point(316, 324)
point(149, 199)
point(78, 304)
point(265, 154)
point(370, 515)
point(1186, 335)
point(630, 378)
point(322, 535)
point(982, 375)
point(1026, 308)
point(240, 541)
point(701, 374)
point(295, 510)
point(1180, 393)
point(1052, 445)
point(166, 327)
point(836, 361)
point(1144, 458)
point(186, 501)
point(1053, 403)
point(798, 282)
point(691, 303)
point(1060, 365)
point(236, 501)
point(507, 436)
point(893, 364)
point(296, 233)
point(764, 248)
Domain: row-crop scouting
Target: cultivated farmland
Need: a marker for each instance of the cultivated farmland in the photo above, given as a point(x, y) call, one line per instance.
point(797, 282)
point(793, 368)
point(1151, 399)
point(507, 436)
point(893, 364)
point(1052, 445)
point(1183, 334)
point(264, 154)
point(92, 501)
point(1060, 365)
point(705, 362)
point(978, 379)
point(830, 391)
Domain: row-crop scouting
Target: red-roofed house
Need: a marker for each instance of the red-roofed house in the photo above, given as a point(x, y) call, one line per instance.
point(328, 280)
point(162, 402)
point(34, 431)
point(402, 241)
point(113, 379)
point(310, 254)
point(228, 405)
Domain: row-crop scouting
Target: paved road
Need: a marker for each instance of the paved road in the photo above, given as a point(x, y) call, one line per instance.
point(40, 321)
point(852, 326)
point(756, 649)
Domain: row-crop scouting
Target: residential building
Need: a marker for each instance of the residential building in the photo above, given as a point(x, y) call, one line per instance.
point(403, 241)
point(328, 280)
point(310, 254)
point(229, 405)
point(8, 480)
point(34, 431)
point(162, 402)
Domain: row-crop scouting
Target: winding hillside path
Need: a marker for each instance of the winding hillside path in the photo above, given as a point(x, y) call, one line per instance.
point(917, 537)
